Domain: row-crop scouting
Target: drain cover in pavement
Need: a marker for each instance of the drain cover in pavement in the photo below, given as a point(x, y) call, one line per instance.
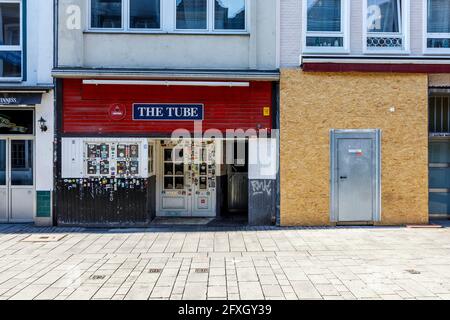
point(201, 270)
point(412, 271)
point(44, 238)
point(154, 271)
point(97, 277)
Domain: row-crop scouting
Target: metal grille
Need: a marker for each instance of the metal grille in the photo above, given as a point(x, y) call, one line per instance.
point(439, 117)
point(385, 42)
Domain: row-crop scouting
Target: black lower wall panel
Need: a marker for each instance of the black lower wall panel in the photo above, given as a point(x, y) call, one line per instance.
point(94, 205)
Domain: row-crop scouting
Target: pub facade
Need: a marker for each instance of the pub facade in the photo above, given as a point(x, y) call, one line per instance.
point(166, 109)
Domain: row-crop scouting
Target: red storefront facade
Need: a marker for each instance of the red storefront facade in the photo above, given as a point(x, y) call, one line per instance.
point(114, 170)
point(87, 107)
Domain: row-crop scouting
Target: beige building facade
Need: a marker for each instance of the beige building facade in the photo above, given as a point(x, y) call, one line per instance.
point(314, 103)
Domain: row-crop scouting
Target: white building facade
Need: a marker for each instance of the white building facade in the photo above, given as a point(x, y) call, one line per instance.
point(26, 111)
point(131, 72)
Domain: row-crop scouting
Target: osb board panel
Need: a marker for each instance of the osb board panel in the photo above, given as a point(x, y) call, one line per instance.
point(314, 103)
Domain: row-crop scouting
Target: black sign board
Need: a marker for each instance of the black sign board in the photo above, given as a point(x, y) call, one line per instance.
point(10, 98)
point(13, 122)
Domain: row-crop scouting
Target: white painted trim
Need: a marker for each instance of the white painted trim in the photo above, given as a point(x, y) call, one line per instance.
point(168, 83)
point(345, 32)
point(404, 32)
point(278, 35)
point(426, 50)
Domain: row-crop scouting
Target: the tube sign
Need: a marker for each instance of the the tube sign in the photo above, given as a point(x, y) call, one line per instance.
point(168, 112)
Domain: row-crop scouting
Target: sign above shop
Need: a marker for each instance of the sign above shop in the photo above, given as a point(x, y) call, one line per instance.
point(168, 112)
point(10, 98)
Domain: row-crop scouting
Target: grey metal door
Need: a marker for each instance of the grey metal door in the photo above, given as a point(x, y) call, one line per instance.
point(356, 176)
point(355, 179)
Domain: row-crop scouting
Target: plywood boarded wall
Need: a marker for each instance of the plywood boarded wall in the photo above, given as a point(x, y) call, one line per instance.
point(314, 103)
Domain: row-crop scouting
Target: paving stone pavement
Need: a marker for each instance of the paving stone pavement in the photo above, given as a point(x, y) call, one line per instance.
point(235, 263)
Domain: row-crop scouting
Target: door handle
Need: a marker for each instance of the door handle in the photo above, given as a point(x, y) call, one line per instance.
point(343, 177)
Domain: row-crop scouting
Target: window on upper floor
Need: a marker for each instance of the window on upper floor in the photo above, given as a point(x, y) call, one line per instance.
point(145, 14)
point(201, 16)
point(325, 25)
point(133, 14)
point(106, 14)
point(386, 26)
point(10, 40)
point(437, 26)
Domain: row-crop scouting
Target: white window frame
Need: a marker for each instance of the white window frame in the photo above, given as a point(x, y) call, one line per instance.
point(404, 31)
point(344, 33)
point(168, 18)
point(426, 35)
point(15, 48)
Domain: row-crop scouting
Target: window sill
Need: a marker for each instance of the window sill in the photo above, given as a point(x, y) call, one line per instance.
point(15, 80)
point(437, 52)
point(168, 33)
point(386, 52)
point(325, 52)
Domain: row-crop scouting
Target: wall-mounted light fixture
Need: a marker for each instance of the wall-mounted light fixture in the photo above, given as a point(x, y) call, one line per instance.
point(42, 124)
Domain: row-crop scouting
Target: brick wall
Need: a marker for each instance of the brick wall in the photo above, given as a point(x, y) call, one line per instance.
point(314, 103)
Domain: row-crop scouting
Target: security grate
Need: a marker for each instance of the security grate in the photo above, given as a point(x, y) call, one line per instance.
point(439, 114)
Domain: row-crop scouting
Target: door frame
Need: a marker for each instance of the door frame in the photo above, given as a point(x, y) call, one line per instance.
point(375, 135)
point(7, 179)
point(8, 139)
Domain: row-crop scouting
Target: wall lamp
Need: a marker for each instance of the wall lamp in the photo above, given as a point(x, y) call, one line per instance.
point(42, 124)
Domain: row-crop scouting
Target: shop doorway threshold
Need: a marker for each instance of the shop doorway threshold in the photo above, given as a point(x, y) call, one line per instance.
point(217, 222)
point(180, 221)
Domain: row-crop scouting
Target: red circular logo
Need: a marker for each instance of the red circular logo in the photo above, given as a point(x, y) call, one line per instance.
point(117, 111)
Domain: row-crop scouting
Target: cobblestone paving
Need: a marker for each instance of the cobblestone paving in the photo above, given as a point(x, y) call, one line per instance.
point(242, 263)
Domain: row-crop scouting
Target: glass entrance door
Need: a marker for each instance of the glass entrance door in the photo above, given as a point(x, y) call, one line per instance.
point(174, 197)
point(16, 180)
point(187, 183)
